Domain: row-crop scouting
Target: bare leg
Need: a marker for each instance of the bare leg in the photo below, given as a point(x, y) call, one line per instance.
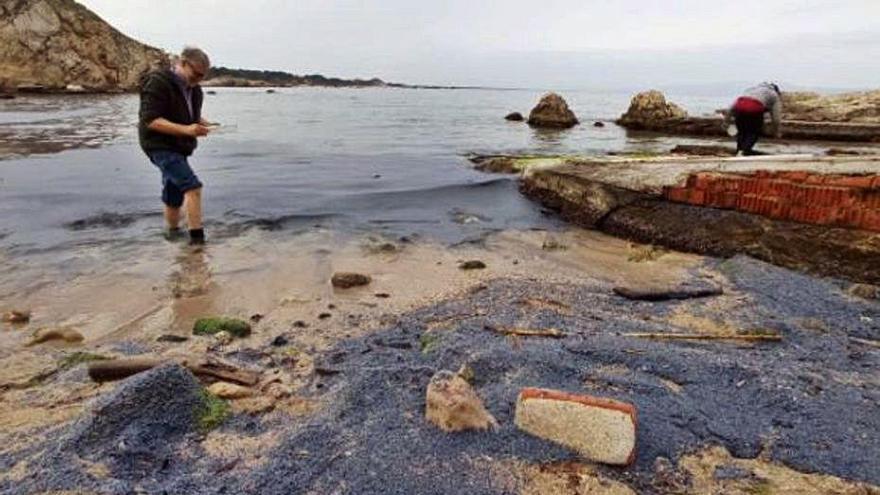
point(192, 202)
point(172, 217)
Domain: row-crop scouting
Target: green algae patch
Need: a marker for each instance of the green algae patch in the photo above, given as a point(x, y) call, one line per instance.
point(428, 342)
point(215, 325)
point(212, 412)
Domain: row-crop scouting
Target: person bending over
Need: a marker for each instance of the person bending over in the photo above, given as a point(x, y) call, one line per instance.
point(748, 112)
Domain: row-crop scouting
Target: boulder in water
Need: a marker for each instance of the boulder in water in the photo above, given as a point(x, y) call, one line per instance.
point(649, 108)
point(552, 111)
point(514, 117)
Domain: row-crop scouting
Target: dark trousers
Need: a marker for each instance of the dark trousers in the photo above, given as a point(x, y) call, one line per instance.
point(749, 127)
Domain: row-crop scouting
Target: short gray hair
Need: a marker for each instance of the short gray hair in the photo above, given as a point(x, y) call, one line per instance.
point(195, 56)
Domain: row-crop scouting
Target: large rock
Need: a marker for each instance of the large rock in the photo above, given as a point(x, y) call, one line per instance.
point(452, 405)
point(552, 111)
point(649, 108)
point(56, 44)
point(857, 107)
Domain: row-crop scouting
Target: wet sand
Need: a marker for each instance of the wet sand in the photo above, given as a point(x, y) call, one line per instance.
point(533, 278)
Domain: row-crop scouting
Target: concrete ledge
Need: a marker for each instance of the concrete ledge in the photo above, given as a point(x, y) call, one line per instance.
point(625, 198)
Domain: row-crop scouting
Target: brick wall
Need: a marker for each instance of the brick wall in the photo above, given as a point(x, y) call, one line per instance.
point(800, 196)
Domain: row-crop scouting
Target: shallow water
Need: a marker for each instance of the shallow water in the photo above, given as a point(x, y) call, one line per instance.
point(79, 198)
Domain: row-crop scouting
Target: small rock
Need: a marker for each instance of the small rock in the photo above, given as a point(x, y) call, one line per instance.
point(514, 117)
point(865, 291)
point(601, 430)
point(383, 295)
point(214, 325)
point(324, 316)
point(452, 405)
point(226, 390)
point(211, 92)
point(668, 479)
point(280, 341)
point(16, 316)
point(553, 245)
point(224, 338)
point(729, 472)
point(377, 176)
point(344, 280)
point(270, 91)
point(598, 124)
point(47, 334)
point(300, 324)
point(172, 338)
point(472, 265)
point(256, 317)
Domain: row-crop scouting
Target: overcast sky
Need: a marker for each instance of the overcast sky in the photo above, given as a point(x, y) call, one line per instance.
point(562, 44)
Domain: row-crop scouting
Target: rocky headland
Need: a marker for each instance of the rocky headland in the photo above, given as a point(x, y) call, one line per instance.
point(59, 45)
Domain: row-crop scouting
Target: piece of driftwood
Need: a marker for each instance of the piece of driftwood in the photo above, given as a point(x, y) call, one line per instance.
point(872, 343)
point(651, 294)
point(527, 332)
point(698, 336)
point(117, 369)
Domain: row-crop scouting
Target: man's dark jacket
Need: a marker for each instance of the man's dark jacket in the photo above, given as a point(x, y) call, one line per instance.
point(161, 96)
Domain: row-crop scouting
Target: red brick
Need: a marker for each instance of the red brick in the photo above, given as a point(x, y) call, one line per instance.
point(600, 429)
point(798, 213)
point(860, 181)
point(697, 197)
point(870, 220)
point(677, 194)
point(814, 180)
point(794, 175)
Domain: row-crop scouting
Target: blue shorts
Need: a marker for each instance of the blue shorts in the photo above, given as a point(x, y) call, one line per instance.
point(177, 176)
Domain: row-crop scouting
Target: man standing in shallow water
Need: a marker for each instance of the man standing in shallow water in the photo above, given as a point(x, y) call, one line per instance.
point(170, 121)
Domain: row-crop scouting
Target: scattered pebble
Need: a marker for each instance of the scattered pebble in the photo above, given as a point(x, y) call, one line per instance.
point(172, 338)
point(226, 390)
point(16, 316)
point(346, 280)
point(472, 265)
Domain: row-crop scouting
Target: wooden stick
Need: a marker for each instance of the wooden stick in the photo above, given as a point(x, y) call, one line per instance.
point(527, 332)
point(117, 369)
point(697, 336)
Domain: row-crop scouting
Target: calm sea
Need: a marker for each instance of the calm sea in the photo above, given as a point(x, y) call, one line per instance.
point(391, 161)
